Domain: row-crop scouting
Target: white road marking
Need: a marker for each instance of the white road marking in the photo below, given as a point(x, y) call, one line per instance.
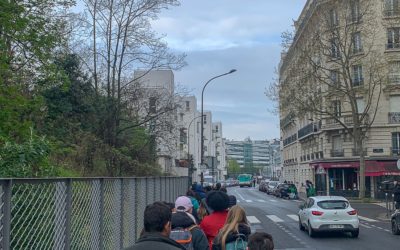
point(273, 200)
point(293, 216)
point(366, 219)
point(253, 219)
point(274, 218)
point(241, 197)
point(261, 200)
point(249, 201)
point(364, 226)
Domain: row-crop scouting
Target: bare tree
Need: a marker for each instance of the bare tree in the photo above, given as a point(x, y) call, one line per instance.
point(336, 70)
point(115, 38)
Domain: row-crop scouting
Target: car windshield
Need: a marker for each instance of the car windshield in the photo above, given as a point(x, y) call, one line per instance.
point(333, 204)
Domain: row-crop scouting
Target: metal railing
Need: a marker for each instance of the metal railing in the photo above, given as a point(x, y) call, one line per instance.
point(394, 117)
point(337, 153)
point(81, 213)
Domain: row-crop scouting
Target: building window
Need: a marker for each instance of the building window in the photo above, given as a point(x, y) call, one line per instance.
point(187, 106)
point(333, 18)
point(356, 40)
point(392, 8)
point(337, 145)
point(394, 72)
point(355, 11)
point(360, 105)
point(334, 77)
point(181, 116)
point(204, 119)
point(357, 76)
point(335, 49)
point(396, 143)
point(393, 38)
point(216, 129)
point(336, 108)
point(152, 105)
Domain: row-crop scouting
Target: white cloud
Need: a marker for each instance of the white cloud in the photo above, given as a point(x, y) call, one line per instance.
point(219, 35)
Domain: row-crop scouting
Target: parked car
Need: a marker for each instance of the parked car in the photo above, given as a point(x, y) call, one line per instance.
point(283, 190)
point(395, 221)
point(328, 213)
point(270, 189)
point(263, 186)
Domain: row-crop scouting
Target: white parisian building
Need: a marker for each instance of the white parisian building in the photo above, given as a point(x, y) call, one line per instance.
point(220, 152)
point(158, 99)
point(189, 120)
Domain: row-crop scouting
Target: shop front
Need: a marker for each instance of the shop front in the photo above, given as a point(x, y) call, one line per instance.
point(342, 178)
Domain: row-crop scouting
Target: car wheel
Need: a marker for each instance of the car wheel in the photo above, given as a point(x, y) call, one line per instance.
point(354, 234)
point(301, 227)
point(311, 231)
point(395, 227)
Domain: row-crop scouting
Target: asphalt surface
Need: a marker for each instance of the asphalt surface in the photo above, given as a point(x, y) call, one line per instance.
point(278, 217)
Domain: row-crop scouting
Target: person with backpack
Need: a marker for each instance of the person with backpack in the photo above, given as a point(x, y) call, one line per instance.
point(184, 230)
point(234, 234)
point(218, 202)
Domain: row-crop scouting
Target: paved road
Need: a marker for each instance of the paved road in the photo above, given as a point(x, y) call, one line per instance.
point(279, 218)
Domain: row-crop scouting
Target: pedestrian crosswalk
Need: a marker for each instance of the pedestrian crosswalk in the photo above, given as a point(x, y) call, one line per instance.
point(293, 218)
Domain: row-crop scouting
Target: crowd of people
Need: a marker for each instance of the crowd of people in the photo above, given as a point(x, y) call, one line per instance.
point(202, 219)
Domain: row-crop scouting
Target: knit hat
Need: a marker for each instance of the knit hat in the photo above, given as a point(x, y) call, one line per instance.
point(183, 203)
point(232, 200)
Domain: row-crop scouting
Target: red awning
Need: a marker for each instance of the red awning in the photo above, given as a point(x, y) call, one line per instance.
point(373, 168)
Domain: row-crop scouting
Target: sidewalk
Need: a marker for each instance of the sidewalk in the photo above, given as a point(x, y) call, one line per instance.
point(371, 210)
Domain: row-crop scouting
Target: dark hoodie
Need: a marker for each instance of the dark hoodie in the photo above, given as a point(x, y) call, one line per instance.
point(181, 219)
point(244, 232)
point(155, 241)
point(199, 191)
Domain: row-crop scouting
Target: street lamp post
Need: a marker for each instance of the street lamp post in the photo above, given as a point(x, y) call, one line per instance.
point(190, 170)
point(202, 114)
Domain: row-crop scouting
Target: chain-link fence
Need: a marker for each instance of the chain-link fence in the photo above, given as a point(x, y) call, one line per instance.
point(90, 213)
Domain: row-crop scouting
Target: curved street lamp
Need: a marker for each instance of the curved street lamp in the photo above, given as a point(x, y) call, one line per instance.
point(202, 115)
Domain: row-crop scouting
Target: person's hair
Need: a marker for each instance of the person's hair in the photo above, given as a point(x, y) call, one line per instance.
point(260, 241)
point(156, 215)
point(208, 189)
point(169, 204)
point(223, 189)
point(218, 186)
point(217, 200)
point(236, 216)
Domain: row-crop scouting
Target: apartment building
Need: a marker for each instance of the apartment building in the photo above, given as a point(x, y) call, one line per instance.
point(341, 72)
point(157, 102)
point(220, 151)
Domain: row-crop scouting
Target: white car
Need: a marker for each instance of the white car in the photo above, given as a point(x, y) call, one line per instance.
point(328, 213)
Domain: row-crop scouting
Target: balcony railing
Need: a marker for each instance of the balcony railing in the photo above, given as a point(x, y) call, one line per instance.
point(390, 46)
point(395, 151)
point(394, 79)
point(346, 119)
point(394, 117)
point(307, 130)
point(357, 153)
point(391, 12)
point(337, 153)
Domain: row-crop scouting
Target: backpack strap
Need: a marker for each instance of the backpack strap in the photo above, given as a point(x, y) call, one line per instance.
point(192, 227)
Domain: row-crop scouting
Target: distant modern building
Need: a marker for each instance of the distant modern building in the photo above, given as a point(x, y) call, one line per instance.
point(249, 154)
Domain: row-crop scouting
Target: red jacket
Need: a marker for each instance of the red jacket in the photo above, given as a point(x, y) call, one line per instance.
point(211, 224)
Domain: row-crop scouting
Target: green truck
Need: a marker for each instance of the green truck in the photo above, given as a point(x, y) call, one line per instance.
point(245, 180)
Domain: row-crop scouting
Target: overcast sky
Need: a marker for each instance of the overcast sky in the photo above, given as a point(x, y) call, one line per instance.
point(220, 35)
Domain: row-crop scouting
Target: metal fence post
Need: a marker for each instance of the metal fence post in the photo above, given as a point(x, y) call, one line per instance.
point(387, 205)
point(101, 238)
point(121, 217)
point(68, 214)
point(7, 214)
